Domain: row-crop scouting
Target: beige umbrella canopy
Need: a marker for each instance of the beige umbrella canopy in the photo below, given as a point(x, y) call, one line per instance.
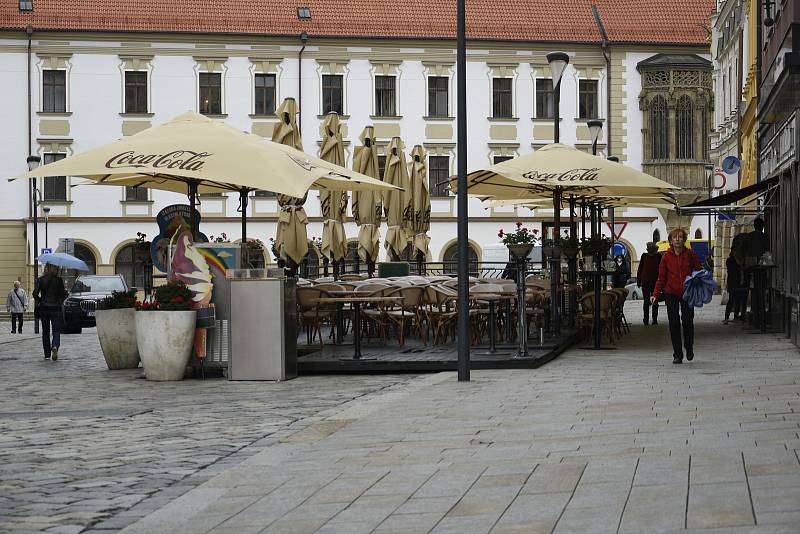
point(397, 204)
point(367, 206)
point(333, 203)
point(664, 201)
point(420, 201)
point(560, 168)
point(292, 235)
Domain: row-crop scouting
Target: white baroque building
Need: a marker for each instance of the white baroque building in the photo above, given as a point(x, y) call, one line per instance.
point(92, 84)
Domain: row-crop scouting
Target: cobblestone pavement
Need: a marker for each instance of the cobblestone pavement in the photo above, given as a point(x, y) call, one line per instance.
point(81, 445)
point(609, 441)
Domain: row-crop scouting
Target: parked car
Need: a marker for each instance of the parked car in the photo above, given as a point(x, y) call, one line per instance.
point(634, 293)
point(81, 303)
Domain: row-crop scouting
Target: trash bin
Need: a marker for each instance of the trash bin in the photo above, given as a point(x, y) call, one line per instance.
point(262, 329)
point(388, 269)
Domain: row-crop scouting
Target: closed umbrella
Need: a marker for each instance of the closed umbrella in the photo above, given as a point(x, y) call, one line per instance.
point(292, 236)
point(397, 203)
point(367, 205)
point(332, 202)
point(420, 201)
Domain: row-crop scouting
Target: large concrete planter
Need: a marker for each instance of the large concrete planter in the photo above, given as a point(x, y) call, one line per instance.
point(117, 332)
point(165, 342)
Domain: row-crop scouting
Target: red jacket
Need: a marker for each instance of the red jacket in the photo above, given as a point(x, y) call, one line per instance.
point(674, 269)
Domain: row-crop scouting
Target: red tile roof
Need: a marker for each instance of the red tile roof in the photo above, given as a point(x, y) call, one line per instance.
point(629, 21)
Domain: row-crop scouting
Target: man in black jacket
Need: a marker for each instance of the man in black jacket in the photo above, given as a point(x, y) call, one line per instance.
point(49, 296)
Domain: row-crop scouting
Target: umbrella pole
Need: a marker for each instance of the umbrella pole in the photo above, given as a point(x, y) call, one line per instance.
point(243, 208)
point(555, 264)
point(192, 202)
point(572, 263)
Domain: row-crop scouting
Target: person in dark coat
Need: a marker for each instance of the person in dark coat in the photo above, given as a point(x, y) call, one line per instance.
point(677, 263)
point(49, 296)
point(646, 277)
point(734, 286)
point(622, 274)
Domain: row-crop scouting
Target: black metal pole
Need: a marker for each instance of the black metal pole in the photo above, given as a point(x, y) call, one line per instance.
point(555, 261)
point(461, 203)
point(572, 264)
point(192, 202)
point(243, 203)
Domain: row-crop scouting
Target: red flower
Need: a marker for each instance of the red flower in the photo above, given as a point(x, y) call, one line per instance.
point(500, 234)
point(519, 223)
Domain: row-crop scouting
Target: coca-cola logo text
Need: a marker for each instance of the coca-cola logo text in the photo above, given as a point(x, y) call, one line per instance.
point(186, 160)
point(572, 175)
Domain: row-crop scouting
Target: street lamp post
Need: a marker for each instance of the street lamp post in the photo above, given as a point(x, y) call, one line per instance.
point(46, 211)
point(33, 163)
point(710, 170)
point(558, 62)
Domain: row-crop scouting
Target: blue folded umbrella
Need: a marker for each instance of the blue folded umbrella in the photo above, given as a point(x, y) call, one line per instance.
point(699, 288)
point(62, 259)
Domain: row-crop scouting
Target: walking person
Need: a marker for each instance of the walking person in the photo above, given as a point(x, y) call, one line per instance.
point(646, 277)
point(677, 263)
point(16, 305)
point(49, 295)
point(734, 286)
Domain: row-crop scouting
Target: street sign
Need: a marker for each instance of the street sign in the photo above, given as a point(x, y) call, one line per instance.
point(47, 251)
point(616, 231)
point(67, 245)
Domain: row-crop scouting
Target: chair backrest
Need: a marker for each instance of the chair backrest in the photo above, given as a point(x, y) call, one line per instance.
point(324, 280)
point(330, 287)
point(347, 286)
point(303, 282)
point(485, 288)
point(400, 283)
point(306, 296)
point(370, 289)
point(352, 277)
point(412, 296)
point(450, 283)
point(607, 301)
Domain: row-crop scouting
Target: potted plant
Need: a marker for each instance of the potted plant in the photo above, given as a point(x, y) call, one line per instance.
point(519, 242)
point(116, 328)
point(165, 330)
point(570, 245)
point(552, 246)
point(595, 247)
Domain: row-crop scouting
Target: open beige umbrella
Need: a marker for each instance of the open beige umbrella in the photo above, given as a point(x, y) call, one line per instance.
point(397, 203)
point(631, 202)
point(292, 235)
point(367, 205)
point(420, 201)
point(333, 203)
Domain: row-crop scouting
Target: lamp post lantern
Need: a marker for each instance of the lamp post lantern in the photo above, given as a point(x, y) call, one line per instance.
point(46, 211)
point(33, 163)
point(595, 129)
point(558, 62)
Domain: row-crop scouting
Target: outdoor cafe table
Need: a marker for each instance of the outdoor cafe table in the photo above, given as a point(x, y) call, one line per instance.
point(355, 301)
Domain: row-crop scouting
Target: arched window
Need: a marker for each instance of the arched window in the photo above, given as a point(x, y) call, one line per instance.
point(451, 260)
point(311, 262)
point(352, 261)
point(684, 131)
point(130, 262)
point(82, 252)
point(656, 236)
point(255, 256)
point(659, 128)
point(698, 234)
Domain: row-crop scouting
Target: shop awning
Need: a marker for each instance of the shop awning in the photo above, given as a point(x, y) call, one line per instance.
point(727, 201)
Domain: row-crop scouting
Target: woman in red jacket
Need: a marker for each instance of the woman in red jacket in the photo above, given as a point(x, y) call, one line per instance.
point(676, 264)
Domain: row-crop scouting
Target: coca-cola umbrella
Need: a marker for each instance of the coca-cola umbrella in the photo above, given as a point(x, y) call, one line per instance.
point(194, 154)
point(367, 205)
point(333, 204)
point(397, 203)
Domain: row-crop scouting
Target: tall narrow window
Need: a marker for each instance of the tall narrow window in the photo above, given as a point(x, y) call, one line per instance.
point(501, 98)
point(684, 131)
point(500, 159)
point(130, 263)
point(659, 138)
point(136, 194)
point(381, 166)
point(385, 96)
point(210, 93)
point(437, 96)
point(332, 96)
point(656, 236)
point(54, 91)
point(544, 98)
point(438, 175)
point(265, 94)
point(55, 187)
point(587, 99)
point(135, 92)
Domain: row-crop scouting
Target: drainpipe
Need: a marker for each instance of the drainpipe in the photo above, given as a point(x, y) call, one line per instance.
point(604, 46)
point(303, 39)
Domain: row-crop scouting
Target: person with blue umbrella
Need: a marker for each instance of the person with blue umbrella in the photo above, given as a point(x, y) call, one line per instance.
point(49, 295)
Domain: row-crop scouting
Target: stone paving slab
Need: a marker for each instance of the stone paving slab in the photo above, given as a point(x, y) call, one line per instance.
point(610, 441)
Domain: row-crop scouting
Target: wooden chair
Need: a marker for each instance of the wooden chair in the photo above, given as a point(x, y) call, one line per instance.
point(312, 314)
point(408, 311)
point(440, 311)
point(586, 315)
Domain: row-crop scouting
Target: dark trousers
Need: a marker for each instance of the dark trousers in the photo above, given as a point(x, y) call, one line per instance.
point(16, 318)
point(737, 302)
point(50, 318)
point(647, 292)
point(680, 315)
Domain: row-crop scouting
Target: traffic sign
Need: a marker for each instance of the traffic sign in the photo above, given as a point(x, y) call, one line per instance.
point(47, 251)
point(616, 231)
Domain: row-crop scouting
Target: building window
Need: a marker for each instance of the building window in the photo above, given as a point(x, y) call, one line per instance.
point(264, 194)
point(135, 92)
point(136, 194)
point(656, 236)
point(26, 5)
point(332, 95)
point(500, 159)
point(439, 176)
point(698, 234)
point(265, 94)
point(82, 252)
point(587, 99)
point(55, 187)
point(54, 91)
point(501, 98)
point(684, 131)
point(437, 96)
point(450, 260)
point(381, 166)
point(130, 263)
point(385, 96)
point(659, 129)
point(210, 93)
point(544, 98)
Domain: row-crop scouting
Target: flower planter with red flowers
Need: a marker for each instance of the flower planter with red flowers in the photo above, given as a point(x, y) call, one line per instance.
point(164, 332)
point(519, 242)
